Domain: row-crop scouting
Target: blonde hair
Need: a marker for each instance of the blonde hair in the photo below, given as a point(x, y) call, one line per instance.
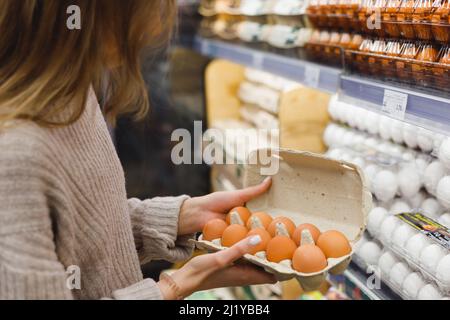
point(45, 67)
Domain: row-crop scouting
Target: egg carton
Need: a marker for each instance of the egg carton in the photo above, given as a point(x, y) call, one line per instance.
point(283, 271)
point(400, 289)
point(424, 270)
point(307, 188)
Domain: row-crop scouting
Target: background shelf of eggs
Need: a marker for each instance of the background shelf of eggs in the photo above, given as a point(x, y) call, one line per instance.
point(276, 23)
point(413, 169)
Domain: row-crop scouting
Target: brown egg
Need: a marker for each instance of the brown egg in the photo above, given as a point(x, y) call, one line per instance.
point(297, 236)
point(214, 229)
point(243, 212)
point(233, 234)
point(308, 259)
point(280, 248)
point(290, 226)
point(265, 238)
point(445, 57)
point(334, 244)
point(262, 217)
point(428, 53)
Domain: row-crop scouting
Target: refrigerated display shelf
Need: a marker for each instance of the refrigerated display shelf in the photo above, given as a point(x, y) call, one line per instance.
point(355, 283)
point(414, 106)
point(307, 73)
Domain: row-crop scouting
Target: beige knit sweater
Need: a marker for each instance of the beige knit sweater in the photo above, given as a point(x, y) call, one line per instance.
point(63, 203)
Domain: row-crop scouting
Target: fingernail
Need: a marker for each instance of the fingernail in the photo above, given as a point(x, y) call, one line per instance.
point(255, 240)
point(267, 179)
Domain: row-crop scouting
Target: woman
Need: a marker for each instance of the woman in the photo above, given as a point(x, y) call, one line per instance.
point(62, 190)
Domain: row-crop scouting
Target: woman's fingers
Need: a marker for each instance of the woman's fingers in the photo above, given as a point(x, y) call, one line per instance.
point(226, 257)
point(250, 193)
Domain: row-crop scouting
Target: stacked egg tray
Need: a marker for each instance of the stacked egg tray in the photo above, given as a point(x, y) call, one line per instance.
point(409, 19)
point(276, 25)
point(422, 254)
point(416, 64)
point(395, 272)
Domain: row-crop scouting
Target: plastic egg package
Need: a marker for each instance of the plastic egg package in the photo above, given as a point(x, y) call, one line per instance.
point(406, 281)
point(422, 254)
point(387, 128)
point(256, 7)
point(403, 278)
point(262, 96)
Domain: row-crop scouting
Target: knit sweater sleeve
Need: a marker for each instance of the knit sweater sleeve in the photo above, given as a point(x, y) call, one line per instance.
point(29, 265)
point(155, 228)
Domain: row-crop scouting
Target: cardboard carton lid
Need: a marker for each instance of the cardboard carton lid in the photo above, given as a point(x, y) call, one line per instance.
point(310, 188)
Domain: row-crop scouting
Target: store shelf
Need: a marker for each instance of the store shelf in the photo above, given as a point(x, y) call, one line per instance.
point(307, 73)
point(354, 281)
point(422, 109)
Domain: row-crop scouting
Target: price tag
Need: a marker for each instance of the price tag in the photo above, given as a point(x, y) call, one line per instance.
point(258, 60)
point(312, 76)
point(205, 47)
point(394, 104)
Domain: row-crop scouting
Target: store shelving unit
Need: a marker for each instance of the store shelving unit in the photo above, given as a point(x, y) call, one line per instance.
point(307, 73)
point(413, 106)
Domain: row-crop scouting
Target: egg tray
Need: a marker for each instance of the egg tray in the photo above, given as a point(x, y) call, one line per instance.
point(309, 282)
point(335, 21)
point(417, 266)
point(431, 75)
point(331, 55)
point(428, 31)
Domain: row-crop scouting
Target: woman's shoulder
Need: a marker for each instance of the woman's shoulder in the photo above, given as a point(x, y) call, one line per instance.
point(22, 141)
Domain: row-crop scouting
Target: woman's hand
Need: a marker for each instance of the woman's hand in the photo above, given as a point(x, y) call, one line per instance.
point(216, 271)
point(196, 212)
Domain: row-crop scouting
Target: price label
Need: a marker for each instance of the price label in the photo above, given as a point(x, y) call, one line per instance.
point(312, 76)
point(258, 60)
point(394, 104)
point(205, 47)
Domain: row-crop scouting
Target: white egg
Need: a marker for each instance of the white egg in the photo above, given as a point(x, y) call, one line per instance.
point(412, 285)
point(437, 142)
point(346, 157)
point(415, 245)
point(430, 257)
point(443, 270)
point(409, 181)
point(445, 220)
point(359, 139)
point(399, 206)
point(443, 191)
point(339, 133)
point(398, 273)
point(387, 228)
point(375, 219)
point(384, 147)
point(359, 161)
point(371, 142)
point(348, 138)
point(384, 128)
point(421, 165)
point(425, 140)
point(433, 174)
point(369, 172)
point(410, 135)
point(350, 118)
point(372, 122)
point(330, 134)
point(408, 155)
point(370, 252)
point(416, 200)
point(429, 292)
point(333, 107)
point(385, 185)
point(431, 208)
point(334, 154)
point(386, 262)
point(359, 244)
point(360, 116)
point(402, 234)
point(396, 132)
point(444, 152)
point(395, 150)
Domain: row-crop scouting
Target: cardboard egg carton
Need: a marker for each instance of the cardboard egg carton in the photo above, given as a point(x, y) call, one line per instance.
point(307, 188)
